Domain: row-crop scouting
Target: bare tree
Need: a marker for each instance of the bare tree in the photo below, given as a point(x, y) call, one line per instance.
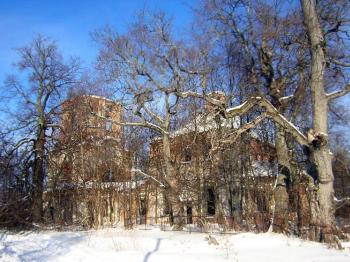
point(260, 57)
point(320, 149)
point(149, 67)
point(276, 52)
point(37, 104)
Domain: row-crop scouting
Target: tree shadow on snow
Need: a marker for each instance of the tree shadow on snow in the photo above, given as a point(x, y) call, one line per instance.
point(156, 248)
point(52, 247)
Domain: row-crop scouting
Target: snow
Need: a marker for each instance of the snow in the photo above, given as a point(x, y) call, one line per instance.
point(262, 168)
point(205, 122)
point(120, 186)
point(155, 245)
point(99, 97)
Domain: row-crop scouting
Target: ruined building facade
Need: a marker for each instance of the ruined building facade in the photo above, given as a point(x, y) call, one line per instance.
point(91, 180)
point(89, 166)
point(228, 184)
point(219, 184)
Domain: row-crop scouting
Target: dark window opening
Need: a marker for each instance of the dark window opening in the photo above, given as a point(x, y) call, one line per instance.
point(105, 209)
point(261, 203)
point(74, 123)
point(143, 208)
point(189, 215)
point(109, 109)
point(211, 201)
point(206, 151)
point(187, 155)
point(107, 177)
point(232, 208)
point(166, 210)
point(143, 211)
point(171, 217)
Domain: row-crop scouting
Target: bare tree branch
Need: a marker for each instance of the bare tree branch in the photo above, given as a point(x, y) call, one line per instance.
point(338, 93)
point(235, 135)
point(339, 203)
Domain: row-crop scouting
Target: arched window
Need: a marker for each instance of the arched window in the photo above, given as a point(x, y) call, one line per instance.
point(108, 176)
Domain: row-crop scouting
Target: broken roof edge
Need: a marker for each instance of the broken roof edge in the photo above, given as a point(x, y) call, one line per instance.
point(196, 125)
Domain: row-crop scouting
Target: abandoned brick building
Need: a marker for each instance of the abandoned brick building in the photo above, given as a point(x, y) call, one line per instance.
point(89, 164)
point(92, 178)
point(222, 184)
point(91, 181)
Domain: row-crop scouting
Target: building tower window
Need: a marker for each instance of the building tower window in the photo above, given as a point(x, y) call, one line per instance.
point(109, 125)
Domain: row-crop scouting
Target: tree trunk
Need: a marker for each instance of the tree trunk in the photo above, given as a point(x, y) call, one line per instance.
point(320, 152)
point(173, 192)
point(324, 222)
point(303, 208)
point(281, 198)
point(38, 177)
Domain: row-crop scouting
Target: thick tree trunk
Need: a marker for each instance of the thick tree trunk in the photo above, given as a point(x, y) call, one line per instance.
point(320, 150)
point(281, 198)
point(38, 177)
point(324, 222)
point(236, 196)
point(173, 192)
point(303, 207)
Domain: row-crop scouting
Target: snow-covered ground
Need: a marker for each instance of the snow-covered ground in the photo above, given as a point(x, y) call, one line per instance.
point(155, 245)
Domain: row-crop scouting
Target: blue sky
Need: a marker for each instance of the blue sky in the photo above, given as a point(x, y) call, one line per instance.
point(70, 23)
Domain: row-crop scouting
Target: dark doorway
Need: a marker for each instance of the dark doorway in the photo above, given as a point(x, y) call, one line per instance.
point(143, 211)
point(189, 215)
